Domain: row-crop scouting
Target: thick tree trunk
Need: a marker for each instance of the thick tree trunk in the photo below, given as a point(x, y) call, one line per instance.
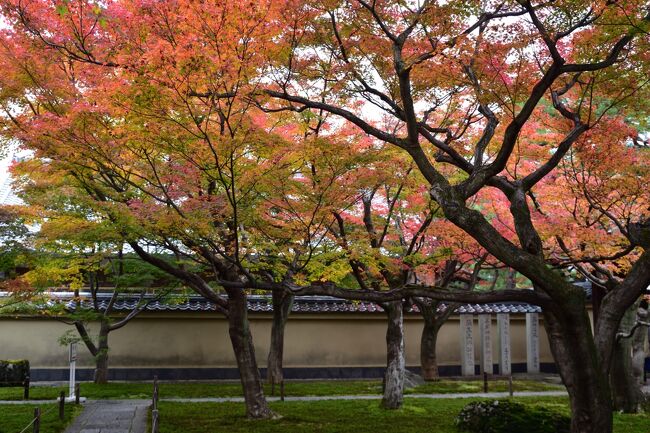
point(101, 359)
point(433, 321)
point(242, 344)
point(626, 391)
point(574, 351)
point(394, 377)
point(282, 303)
point(428, 359)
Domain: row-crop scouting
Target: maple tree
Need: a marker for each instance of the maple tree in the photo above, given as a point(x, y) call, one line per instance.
point(75, 250)
point(167, 169)
point(462, 83)
point(379, 230)
point(394, 235)
point(151, 108)
point(172, 169)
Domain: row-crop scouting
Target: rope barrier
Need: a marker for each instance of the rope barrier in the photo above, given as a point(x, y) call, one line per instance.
point(28, 426)
point(34, 419)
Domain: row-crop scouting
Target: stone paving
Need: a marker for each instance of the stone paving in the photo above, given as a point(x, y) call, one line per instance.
point(112, 416)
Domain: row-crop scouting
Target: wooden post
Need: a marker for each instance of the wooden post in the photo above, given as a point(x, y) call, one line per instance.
point(154, 402)
point(154, 421)
point(510, 390)
point(26, 390)
point(485, 383)
point(77, 393)
point(282, 390)
point(37, 420)
point(62, 405)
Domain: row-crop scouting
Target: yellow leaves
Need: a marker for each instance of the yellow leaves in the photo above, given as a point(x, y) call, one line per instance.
point(55, 273)
point(332, 267)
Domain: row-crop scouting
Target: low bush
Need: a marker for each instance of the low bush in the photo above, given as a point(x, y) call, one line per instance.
point(505, 416)
point(14, 372)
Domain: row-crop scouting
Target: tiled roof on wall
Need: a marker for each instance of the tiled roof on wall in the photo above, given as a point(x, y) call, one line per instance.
point(303, 304)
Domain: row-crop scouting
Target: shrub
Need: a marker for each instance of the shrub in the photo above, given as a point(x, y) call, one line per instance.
point(14, 371)
point(505, 416)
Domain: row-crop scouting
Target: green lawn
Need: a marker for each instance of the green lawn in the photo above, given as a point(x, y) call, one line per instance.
point(417, 416)
point(13, 418)
point(455, 386)
point(123, 390)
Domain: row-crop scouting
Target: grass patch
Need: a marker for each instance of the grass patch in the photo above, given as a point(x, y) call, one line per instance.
point(361, 416)
point(128, 390)
point(474, 386)
point(14, 417)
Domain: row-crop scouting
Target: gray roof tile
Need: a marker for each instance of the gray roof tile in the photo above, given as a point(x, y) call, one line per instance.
point(306, 304)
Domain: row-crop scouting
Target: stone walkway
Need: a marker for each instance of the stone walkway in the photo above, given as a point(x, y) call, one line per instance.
point(112, 416)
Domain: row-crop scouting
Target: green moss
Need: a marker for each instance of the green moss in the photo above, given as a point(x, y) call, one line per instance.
point(474, 386)
point(125, 390)
point(351, 416)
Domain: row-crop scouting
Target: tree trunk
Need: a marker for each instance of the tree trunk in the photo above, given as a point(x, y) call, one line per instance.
point(428, 359)
point(433, 321)
point(394, 377)
point(626, 391)
point(242, 344)
point(282, 303)
point(101, 359)
point(574, 351)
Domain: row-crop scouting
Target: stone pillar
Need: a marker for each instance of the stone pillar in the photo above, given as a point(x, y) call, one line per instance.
point(503, 323)
point(532, 342)
point(485, 327)
point(467, 345)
